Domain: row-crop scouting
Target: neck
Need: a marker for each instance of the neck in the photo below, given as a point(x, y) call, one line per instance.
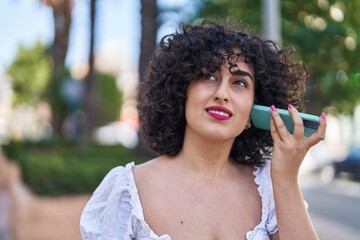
point(207, 157)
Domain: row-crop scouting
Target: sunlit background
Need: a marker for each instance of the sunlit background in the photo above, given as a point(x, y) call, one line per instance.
point(69, 70)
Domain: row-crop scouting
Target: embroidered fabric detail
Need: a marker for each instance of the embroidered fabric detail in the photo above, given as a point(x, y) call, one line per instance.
point(268, 223)
point(138, 212)
point(114, 210)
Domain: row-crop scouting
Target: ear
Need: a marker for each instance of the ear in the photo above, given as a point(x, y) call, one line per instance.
point(248, 125)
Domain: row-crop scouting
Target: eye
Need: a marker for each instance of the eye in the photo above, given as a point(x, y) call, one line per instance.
point(209, 76)
point(241, 82)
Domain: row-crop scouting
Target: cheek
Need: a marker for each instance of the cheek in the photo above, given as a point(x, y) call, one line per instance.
point(197, 97)
point(191, 102)
point(193, 105)
point(244, 106)
point(197, 93)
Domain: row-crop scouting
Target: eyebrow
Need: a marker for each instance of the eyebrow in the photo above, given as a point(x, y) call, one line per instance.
point(243, 73)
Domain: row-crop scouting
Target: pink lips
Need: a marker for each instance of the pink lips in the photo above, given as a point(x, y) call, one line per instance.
point(219, 113)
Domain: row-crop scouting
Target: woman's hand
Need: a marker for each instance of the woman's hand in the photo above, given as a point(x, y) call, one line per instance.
point(290, 149)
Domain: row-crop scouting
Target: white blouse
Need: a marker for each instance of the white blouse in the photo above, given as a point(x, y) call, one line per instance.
point(114, 211)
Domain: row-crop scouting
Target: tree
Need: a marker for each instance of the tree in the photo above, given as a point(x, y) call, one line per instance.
point(62, 20)
point(324, 34)
point(90, 95)
point(149, 26)
point(31, 72)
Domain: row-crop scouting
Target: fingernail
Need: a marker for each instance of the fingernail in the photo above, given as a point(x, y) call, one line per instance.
point(323, 115)
point(273, 108)
point(290, 106)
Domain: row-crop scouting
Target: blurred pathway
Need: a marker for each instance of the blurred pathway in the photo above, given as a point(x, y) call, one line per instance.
point(50, 219)
point(28, 217)
point(334, 206)
point(5, 220)
point(5, 201)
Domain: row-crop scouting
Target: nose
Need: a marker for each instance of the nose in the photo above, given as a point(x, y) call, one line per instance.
point(217, 99)
point(222, 93)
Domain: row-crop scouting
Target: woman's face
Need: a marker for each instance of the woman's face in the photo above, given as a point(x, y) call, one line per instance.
point(218, 106)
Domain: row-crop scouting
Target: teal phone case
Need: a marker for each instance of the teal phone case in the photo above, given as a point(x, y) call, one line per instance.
point(260, 117)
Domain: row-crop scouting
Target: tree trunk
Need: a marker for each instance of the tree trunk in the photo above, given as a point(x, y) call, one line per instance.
point(149, 26)
point(90, 94)
point(62, 20)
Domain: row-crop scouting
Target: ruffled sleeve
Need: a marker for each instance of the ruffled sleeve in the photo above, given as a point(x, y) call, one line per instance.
point(108, 213)
point(268, 224)
point(271, 222)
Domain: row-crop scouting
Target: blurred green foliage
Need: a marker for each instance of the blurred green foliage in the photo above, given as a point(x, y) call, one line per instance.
point(110, 100)
point(59, 167)
point(31, 72)
point(53, 169)
point(55, 98)
point(325, 34)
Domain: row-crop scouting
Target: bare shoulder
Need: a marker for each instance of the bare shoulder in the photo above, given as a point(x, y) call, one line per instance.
point(150, 180)
point(149, 170)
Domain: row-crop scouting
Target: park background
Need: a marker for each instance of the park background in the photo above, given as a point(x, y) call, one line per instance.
point(69, 70)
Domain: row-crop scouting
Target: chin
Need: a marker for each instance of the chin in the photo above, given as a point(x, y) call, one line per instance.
point(217, 136)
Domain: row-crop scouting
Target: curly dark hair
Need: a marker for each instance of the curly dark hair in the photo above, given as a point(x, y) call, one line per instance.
point(181, 57)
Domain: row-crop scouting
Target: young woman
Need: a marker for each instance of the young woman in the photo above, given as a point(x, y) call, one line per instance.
point(217, 176)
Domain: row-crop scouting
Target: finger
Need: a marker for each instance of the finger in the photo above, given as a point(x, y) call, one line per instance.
point(298, 122)
point(274, 133)
point(279, 124)
point(320, 133)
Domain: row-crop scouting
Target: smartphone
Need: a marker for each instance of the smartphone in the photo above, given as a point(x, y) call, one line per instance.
point(260, 117)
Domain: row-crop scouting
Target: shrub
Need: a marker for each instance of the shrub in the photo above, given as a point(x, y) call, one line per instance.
point(65, 169)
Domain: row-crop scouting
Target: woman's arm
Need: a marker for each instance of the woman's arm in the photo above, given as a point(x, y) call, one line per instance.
point(288, 153)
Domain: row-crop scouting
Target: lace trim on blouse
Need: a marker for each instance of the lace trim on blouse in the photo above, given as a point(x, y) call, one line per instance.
point(268, 221)
point(137, 207)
